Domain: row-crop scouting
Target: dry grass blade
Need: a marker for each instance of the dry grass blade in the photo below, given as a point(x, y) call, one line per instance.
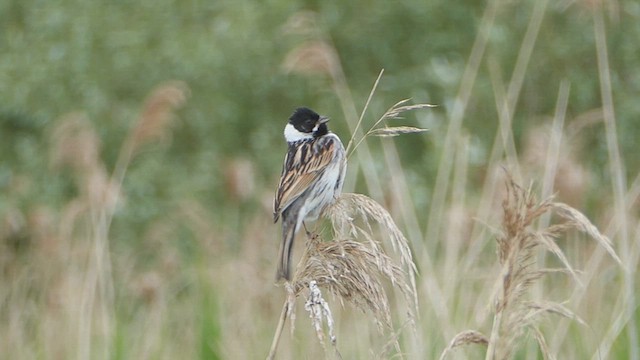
point(396, 110)
point(543, 272)
point(465, 338)
point(395, 131)
point(288, 311)
point(582, 223)
point(617, 173)
point(545, 238)
point(542, 343)
point(393, 344)
point(364, 110)
point(538, 308)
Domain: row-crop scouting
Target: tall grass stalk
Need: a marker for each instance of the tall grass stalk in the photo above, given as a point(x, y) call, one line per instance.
point(506, 101)
point(617, 173)
point(456, 115)
point(555, 142)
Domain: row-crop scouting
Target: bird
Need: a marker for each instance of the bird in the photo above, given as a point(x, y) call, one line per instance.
point(312, 178)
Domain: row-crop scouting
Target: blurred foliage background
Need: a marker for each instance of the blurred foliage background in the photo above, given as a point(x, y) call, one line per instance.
point(218, 164)
point(104, 57)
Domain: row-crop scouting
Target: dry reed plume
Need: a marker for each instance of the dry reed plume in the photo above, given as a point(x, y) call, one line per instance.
point(518, 244)
point(353, 266)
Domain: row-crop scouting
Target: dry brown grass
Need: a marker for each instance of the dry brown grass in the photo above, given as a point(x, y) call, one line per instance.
point(353, 272)
point(518, 245)
point(70, 263)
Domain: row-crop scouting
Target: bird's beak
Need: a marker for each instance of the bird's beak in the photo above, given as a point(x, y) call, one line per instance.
point(323, 119)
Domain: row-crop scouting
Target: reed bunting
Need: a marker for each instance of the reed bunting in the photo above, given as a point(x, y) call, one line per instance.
point(312, 177)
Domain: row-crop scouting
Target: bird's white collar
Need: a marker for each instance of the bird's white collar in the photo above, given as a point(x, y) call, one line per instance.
point(291, 134)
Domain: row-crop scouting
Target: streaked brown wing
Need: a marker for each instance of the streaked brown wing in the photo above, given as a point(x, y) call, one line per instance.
point(303, 165)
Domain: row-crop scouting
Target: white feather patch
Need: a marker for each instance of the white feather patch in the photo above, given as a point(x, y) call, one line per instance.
point(291, 134)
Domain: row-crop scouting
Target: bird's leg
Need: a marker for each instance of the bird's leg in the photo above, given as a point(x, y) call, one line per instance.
point(309, 234)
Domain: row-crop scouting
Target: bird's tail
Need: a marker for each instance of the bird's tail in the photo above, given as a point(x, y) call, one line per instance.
point(288, 234)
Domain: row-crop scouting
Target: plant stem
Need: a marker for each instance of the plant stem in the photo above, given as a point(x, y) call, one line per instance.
point(276, 336)
point(366, 105)
point(493, 339)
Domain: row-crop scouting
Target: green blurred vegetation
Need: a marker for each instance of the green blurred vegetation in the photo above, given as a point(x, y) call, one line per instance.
point(103, 58)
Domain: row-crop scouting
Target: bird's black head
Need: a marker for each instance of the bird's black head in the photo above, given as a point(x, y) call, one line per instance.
point(308, 121)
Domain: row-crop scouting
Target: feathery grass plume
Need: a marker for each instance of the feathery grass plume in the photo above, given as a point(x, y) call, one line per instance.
point(352, 270)
point(393, 113)
point(350, 207)
point(157, 112)
point(74, 143)
point(311, 58)
point(153, 123)
point(518, 244)
point(517, 247)
point(464, 338)
point(395, 131)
